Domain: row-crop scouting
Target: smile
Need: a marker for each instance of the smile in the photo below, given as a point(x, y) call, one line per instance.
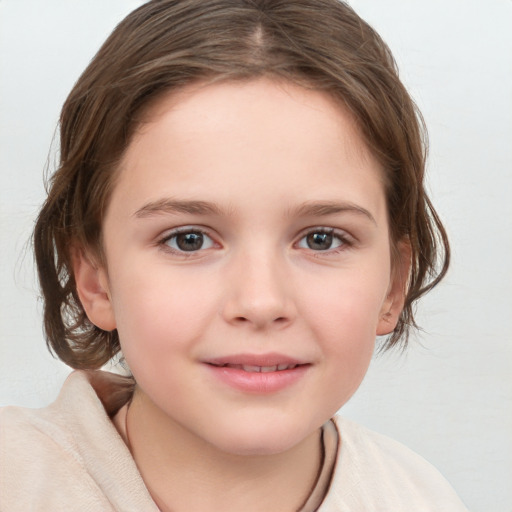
point(257, 374)
point(259, 369)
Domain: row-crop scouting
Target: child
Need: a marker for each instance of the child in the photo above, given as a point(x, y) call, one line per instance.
point(239, 209)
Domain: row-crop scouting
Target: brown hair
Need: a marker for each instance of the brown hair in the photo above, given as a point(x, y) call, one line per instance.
point(166, 44)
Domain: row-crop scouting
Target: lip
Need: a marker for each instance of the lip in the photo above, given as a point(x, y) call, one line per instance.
point(262, 374)
point(268, 359)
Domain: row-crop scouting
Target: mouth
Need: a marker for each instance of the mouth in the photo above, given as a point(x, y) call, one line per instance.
point(260, 374)
point(258, 369)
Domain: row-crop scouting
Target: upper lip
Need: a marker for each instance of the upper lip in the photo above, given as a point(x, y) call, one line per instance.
point(263, 360)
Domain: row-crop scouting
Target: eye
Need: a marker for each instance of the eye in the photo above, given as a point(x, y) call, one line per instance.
point(190, 240)
point(322, 240)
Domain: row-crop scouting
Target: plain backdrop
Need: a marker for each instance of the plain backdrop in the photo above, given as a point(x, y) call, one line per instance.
point(449, 397)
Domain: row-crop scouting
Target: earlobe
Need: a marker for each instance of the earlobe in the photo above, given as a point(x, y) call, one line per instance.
point(394, 303)
point(93, 290)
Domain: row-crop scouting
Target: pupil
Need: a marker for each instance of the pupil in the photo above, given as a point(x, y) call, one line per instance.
point(319, 241)
point(189, 241)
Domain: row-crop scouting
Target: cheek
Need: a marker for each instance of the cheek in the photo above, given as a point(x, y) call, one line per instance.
point(160, 313)
point(343, 317)
point(347, 305)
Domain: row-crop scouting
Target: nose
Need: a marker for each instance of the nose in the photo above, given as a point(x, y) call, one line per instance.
point(259, 293)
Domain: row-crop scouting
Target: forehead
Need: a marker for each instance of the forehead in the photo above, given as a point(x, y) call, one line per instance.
point(276, 104)
point(261, 136)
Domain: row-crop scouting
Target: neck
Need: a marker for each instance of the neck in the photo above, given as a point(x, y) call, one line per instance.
point(207, 479)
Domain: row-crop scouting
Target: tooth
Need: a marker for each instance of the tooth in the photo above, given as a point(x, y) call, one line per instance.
point(249, 368)
point(282, 366)
point(266, 369)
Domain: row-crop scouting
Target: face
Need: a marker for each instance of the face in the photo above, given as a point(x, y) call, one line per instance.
point(247, 262)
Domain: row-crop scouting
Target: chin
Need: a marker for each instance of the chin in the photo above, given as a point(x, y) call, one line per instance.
point(263, 440)
point(255, 449)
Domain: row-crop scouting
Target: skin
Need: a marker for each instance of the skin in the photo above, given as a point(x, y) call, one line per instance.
point(261, 152)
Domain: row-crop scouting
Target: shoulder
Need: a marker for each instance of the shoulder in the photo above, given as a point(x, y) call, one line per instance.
point(376, 473)
point(77, 416)
point(42, 433)
point(66, 456)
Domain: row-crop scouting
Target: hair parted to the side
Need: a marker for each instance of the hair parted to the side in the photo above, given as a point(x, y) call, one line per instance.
point(165, 45)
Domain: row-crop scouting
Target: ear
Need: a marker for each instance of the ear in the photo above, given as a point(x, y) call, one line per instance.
point(93, 290)
point(395, 299)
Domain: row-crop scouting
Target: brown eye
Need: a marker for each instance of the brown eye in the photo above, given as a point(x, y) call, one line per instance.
point(322, 240)
point(319, 241)
point(189, 241)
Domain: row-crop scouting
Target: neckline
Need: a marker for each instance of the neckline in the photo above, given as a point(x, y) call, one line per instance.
point(329, 445)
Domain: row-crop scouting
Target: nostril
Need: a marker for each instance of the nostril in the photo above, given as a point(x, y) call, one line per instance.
point(279, 320)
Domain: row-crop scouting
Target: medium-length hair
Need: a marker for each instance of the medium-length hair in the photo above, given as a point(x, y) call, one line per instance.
point(164, 45)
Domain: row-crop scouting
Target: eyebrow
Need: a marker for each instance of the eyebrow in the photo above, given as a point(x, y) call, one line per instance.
point(310, 209)
point(170, 206)
point(324, 208)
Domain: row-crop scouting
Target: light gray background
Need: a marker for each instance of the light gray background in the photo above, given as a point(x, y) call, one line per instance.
point(450, 396)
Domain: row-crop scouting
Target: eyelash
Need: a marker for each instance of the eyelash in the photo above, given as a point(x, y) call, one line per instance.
point(164, 242)
point(346, 242)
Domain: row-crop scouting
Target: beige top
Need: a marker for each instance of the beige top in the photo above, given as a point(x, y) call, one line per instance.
point(70, 457)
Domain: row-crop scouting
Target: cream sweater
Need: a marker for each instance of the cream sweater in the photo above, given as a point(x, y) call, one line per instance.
point(69, 457)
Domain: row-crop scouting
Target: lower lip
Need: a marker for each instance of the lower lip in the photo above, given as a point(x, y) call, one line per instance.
point(258, 382)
